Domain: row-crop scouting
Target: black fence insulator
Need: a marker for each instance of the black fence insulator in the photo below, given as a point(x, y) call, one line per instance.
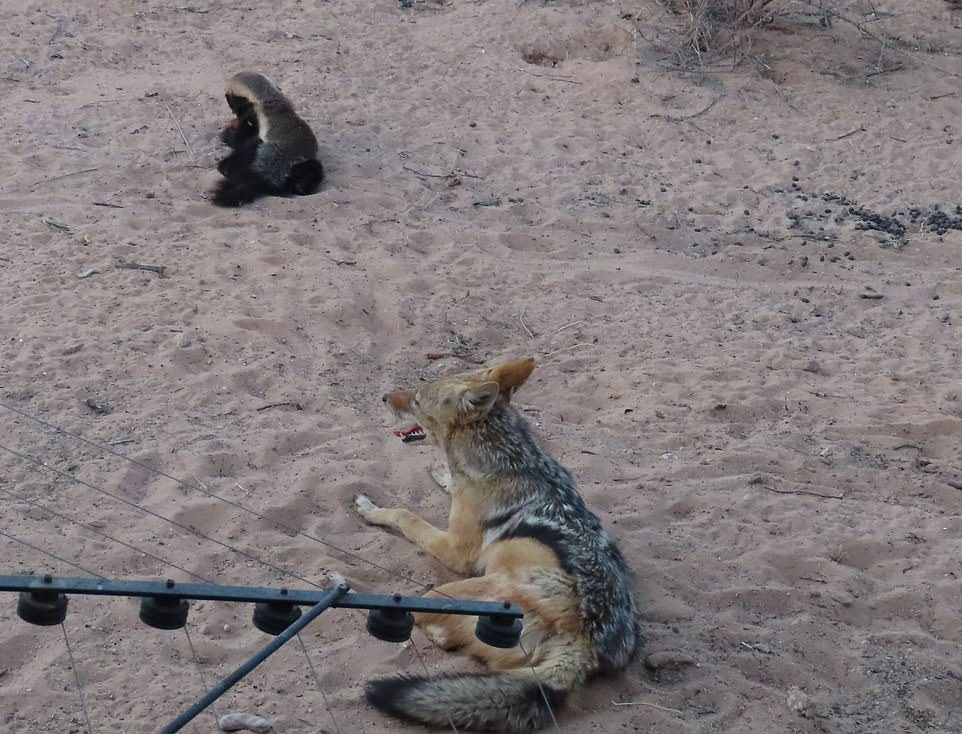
point(499, 630)
point(164, 612)
point(391, 624)
point(255, 594)
point(45, 607)
point(273, 617)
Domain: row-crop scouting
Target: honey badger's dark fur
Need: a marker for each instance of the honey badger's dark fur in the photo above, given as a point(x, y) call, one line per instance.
point(274, 150)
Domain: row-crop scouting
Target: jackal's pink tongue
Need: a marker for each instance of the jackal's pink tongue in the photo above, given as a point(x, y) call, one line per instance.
point(414, 433)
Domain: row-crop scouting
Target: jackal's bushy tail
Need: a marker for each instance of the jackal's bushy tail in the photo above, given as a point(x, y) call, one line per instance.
point(492, 702)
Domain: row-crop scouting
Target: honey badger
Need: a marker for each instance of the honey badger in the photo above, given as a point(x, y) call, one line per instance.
point(274, 150)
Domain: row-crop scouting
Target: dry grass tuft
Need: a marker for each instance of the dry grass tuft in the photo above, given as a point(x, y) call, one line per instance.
point(720, 26)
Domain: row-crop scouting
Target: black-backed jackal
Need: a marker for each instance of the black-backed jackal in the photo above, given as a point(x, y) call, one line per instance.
point(521, 530)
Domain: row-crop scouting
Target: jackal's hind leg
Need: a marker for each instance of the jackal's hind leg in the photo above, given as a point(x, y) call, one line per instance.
point(453, 631)
point(456, 632)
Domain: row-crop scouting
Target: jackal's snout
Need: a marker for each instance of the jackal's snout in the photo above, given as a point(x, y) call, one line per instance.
point(399, 401)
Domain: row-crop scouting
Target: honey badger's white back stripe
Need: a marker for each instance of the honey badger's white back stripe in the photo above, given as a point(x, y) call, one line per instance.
point(256, 89)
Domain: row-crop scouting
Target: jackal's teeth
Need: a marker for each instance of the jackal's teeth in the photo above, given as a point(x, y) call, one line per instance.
point(414, 433)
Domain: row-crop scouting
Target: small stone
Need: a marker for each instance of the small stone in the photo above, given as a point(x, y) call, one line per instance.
point(846, 600)
point(244, 722)
point(813, 367)
point(98, 406)
point(185, 340)
point(799, 702)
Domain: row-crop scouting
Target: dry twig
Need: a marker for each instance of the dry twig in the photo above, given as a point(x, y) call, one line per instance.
point(181, 131)
point(63, 175)
point(524, 325)
point(159, 269)
point(800, 491)
point(645, 703)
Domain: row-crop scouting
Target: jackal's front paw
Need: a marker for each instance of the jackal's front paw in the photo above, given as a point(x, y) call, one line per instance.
point(366, 509)
point(442, 475)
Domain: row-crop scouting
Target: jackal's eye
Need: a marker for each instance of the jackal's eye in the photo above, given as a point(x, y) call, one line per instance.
point(414, 402)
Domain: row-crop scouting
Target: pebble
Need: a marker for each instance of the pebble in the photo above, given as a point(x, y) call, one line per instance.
point(244, 722)
point(100, 407)
point(799, 701)
point(846, 600)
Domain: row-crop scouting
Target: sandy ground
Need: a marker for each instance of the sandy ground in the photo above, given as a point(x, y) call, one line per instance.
point(759, 396)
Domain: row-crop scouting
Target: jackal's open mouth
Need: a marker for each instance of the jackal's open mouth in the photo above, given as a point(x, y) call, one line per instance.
point(414, 433)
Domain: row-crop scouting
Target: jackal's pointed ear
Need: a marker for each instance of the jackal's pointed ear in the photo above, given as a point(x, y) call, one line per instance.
point(511, 375)
point(477, 399)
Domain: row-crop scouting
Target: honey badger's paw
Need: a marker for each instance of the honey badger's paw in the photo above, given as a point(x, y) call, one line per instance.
point(367, 509)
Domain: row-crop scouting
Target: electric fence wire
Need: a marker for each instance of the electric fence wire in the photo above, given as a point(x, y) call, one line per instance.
point(544, 695)
point(185, 528)
point(52, 555)
point(200, 671)
point(47, 466)
point(190, 643)
point(317, 682)
point(76, 675)
point(287, 528)
point(93, 530)
point(213, 495)
point(428, 674)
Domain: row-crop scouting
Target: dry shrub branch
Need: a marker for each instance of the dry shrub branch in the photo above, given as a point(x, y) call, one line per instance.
point(720, 25)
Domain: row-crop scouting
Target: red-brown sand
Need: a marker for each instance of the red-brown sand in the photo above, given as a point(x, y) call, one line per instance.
point(761, 400)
